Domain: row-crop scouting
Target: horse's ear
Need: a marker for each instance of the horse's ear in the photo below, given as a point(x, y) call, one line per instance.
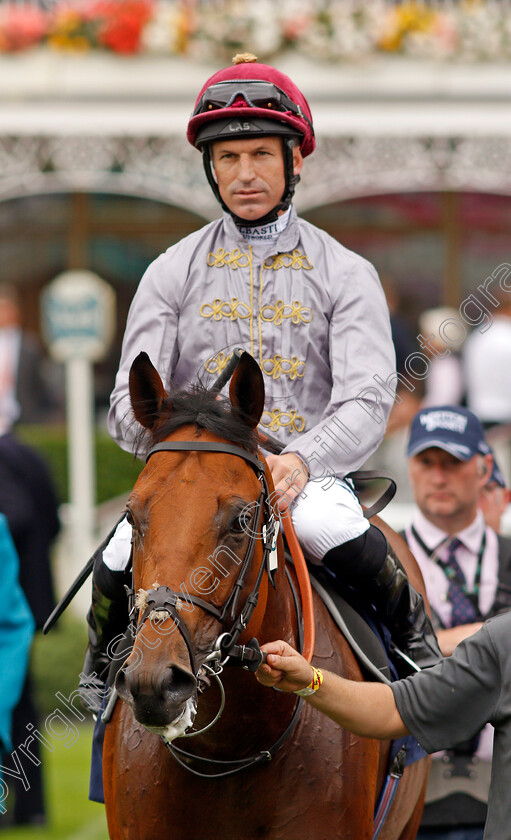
point(246, 390)
point(146, 391)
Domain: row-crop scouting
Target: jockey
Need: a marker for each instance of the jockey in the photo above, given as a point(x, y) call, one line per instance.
point(314, 316)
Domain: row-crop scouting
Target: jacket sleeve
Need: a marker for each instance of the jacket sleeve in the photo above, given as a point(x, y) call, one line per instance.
point(16, 631)
point(151, 327)
point(360, 347)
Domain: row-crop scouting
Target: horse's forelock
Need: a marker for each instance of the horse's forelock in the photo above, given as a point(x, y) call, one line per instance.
point(200, 408)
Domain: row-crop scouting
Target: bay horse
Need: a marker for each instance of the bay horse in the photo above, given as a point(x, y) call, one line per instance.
point(204, 572)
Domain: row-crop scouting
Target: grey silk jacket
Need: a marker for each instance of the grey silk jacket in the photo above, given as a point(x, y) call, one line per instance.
point(313, 315)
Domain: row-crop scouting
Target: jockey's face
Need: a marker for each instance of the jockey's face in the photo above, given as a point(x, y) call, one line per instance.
point(250, 174)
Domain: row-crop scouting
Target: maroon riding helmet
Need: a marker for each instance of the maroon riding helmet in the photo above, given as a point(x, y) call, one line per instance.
point(252, 100)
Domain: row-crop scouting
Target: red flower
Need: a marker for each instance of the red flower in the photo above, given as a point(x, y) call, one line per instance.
point(121, 22)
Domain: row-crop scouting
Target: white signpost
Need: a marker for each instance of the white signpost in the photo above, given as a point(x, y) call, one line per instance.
point(78, 321)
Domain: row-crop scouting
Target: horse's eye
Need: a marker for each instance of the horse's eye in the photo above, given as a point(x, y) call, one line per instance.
point(238, 525)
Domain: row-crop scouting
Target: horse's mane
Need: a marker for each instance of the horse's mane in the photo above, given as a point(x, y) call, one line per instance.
point(200, 408)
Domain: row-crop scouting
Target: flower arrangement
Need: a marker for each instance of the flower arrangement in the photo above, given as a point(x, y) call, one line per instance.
point(115, 25)
point(334, 30)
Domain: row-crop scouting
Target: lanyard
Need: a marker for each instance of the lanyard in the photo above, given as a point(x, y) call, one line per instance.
point(450, 573)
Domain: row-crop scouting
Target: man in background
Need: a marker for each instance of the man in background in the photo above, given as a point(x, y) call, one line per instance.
point(444, 383)
point(467, 573)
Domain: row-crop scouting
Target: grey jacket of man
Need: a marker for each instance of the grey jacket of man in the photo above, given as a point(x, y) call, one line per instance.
point(313, 315)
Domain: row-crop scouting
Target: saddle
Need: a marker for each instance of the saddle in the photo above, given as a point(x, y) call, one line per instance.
point(368, 638)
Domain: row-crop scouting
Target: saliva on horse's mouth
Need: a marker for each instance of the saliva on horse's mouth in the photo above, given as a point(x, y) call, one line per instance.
point(179, 725)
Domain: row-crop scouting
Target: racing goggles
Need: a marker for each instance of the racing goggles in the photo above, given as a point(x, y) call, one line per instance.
point(256, 95)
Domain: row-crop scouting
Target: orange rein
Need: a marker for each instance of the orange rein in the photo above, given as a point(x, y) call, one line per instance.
point(304, 583)
point(302, 573)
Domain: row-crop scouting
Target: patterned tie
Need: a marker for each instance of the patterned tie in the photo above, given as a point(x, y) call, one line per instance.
point(464, 611)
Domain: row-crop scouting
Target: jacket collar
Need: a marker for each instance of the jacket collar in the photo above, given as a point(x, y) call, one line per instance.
point(287, 241)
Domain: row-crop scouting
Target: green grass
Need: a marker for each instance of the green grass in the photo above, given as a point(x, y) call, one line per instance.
point(71, 815)
point(116, 470)
point(57, 660)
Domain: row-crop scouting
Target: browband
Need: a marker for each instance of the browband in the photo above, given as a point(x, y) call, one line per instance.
point(206, 446)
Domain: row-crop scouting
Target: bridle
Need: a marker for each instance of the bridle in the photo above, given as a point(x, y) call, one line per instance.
point(162, 602)
point(164, 599)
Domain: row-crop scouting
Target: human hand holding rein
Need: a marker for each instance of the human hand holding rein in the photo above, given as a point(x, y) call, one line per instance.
point(290, 475)
point(285, 668)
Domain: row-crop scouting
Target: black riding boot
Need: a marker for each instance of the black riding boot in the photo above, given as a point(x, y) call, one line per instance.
point(370, 564)
point(107, 618)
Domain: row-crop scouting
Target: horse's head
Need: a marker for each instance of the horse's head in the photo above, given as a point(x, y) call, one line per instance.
point(198, 511)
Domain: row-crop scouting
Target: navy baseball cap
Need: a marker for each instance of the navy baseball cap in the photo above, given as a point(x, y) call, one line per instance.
point(450, 427)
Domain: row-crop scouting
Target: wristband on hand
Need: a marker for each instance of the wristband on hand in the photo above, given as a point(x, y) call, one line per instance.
point(316, 682)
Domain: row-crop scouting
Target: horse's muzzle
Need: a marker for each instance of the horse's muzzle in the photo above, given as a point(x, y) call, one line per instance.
point(157, 699)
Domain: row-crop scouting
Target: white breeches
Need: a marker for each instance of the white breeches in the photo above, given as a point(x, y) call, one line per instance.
point(323, 516)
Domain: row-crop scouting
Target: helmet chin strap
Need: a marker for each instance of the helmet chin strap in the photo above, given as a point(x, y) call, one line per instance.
point(291, 181)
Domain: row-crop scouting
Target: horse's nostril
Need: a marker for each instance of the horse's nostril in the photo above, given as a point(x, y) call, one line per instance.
point(128, 684)
point(177, 683)
point(120, 682)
